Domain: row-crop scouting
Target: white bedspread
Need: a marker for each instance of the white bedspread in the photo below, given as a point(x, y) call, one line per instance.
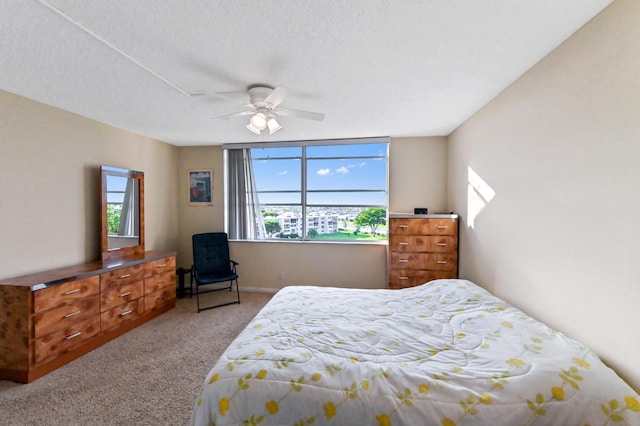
point(444, 353)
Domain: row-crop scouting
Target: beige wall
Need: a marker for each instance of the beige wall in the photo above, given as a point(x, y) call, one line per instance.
point(50, 178)
point(417, 175)
point(560, 148)
point(197, 219)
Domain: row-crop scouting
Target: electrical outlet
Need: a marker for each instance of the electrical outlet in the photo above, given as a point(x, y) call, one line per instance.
point(281, 276)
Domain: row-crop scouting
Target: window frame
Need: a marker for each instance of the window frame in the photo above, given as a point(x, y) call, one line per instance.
point(303, 205)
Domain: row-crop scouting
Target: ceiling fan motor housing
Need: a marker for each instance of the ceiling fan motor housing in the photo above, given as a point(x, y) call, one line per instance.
point(258, 94)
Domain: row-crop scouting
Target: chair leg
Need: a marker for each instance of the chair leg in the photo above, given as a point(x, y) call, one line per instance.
point(197, 292)
point(198, 297)
point(221, 304)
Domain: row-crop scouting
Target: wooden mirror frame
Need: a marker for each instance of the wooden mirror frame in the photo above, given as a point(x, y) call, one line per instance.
point(116, 253)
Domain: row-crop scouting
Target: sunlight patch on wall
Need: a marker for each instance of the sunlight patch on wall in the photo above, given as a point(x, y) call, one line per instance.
point(479, 194)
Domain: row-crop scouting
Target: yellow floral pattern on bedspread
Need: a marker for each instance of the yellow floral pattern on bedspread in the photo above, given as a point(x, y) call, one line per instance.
point(444, 353)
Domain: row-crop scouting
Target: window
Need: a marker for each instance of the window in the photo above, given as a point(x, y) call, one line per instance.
point(308, 191)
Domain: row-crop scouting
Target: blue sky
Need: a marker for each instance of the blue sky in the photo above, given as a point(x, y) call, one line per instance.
point(350, 172)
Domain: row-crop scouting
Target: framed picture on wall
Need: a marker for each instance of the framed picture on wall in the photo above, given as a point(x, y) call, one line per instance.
point(200, 187)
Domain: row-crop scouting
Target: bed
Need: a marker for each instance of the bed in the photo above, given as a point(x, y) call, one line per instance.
point(443, 353)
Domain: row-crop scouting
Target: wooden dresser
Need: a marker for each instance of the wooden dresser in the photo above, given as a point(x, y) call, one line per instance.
point(422, 248)
point(51, 318)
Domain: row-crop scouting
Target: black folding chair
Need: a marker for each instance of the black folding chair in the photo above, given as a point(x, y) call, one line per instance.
point(212, 267)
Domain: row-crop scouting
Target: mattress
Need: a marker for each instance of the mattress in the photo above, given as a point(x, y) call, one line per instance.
point(443, 353)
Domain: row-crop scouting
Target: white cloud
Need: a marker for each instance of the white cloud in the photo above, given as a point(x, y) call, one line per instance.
point(352, 165)
point(283, 173)
point(342, 170)
point(324, 172)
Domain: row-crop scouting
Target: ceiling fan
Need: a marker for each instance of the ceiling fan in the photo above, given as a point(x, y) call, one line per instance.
point(263, 105)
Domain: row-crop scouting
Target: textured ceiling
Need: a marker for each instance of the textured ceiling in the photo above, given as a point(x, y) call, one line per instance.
point(375, 68)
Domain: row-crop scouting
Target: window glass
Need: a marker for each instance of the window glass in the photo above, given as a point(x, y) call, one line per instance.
point(282, 222)
point(280, 152)
point(346, 198)
point(283, 198)
point(352, 150)
point(277, 174)
point(316, 192)
point(353, 173)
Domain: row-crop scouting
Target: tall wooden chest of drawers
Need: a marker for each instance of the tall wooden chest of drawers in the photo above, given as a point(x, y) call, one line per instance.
point(422, 248)
point(50, 318)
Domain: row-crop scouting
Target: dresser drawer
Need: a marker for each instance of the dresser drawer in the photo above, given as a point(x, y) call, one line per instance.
point(121, 314)
point(71, 336)
point(423, 243)
point(121, 276)
point(62, 294)
point(433, 261)
point(66, 315)
point(399, 278)
point(119, 293)
point(160, 266)
point(424, 226)
point(159, 298)
point(157, 282)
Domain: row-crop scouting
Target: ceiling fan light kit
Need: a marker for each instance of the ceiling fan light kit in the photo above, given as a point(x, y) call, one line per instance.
point(273, 126)
point(253, 129)
point(262, 120)
point(264, 104)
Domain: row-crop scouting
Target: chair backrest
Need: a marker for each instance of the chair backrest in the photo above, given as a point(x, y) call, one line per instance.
point(211, 252)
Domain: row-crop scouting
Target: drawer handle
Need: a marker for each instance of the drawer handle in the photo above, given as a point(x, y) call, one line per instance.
point(403, 278)
point(125, 313)
point(71, 336)
point(160, 282)
point(72, 314)
point(403, 261)
point(403, 226)
point(442, 244)
point(161, 266)
point(66, 293)
point(441, 227)
point(442, 262)
point(403, 244)
point(125, 294)
point(125, 276)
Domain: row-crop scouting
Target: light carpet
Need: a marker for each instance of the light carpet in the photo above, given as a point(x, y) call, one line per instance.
point(148, 376)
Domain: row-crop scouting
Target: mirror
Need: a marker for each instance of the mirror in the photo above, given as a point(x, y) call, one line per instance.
point(122, 213)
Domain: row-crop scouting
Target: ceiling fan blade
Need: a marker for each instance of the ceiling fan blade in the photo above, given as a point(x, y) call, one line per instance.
point(234, 114)
point(276, 96)
point(308, 115)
